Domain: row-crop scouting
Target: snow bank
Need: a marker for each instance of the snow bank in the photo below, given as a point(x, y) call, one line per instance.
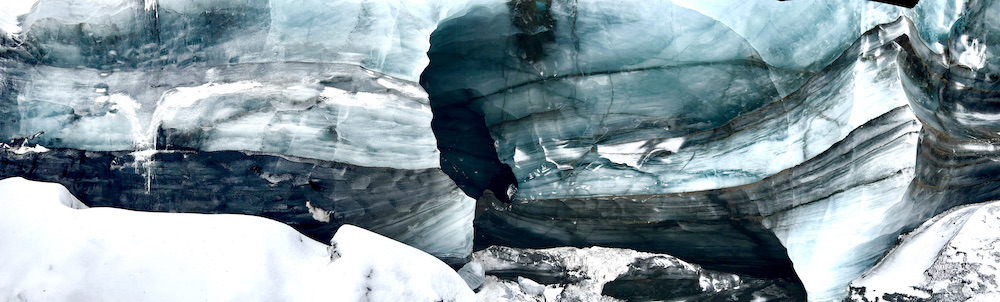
point(951, 257)
point(56, 249)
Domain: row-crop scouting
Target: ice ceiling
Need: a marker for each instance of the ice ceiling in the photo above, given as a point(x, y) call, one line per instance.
point(769, 138)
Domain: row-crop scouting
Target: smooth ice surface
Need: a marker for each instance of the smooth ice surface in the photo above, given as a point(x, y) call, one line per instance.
point(57, 249)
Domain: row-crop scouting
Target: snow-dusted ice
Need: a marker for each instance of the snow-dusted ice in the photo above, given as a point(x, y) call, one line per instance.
point(952, 257)
point(56, 249)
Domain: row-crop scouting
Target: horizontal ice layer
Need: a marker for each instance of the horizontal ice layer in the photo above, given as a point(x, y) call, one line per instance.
point(105, 75)
point(673, 128)
point(955, 95)
point(60, 250)
point(422, 208)
point(951, 257)
point(952, 94)
point(954, 171)
point(275, 105)
point(332, 112)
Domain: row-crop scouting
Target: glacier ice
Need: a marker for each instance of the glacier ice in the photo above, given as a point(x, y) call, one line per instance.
point(57, 249)
point(771, 138)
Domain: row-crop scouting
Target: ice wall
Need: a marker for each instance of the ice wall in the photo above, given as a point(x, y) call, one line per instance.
point(773, 138)
point(739, 134)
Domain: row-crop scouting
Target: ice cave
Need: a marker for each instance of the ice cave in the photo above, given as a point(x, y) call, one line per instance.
point(499, 150)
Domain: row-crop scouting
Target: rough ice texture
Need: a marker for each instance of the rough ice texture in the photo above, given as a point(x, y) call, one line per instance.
point(952, 257)
point(774, 137)
point(56, 249)
point(716, 149)
point(610, 274)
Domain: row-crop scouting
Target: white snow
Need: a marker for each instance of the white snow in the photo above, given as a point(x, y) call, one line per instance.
point(23, 148)
point(56, 249)
point(13, 9)
point(904, 266)
point(634, 153)
point(974, 55)
point(952, 257)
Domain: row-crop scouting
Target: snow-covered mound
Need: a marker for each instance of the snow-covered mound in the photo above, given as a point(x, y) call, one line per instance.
point(952, 257)
point(56, 249)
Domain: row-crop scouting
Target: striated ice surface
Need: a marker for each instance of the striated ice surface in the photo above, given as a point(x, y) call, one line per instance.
point(422, 208)
point(647, 127)
point(57, 249)
point(785, 139)
point(331, 112)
